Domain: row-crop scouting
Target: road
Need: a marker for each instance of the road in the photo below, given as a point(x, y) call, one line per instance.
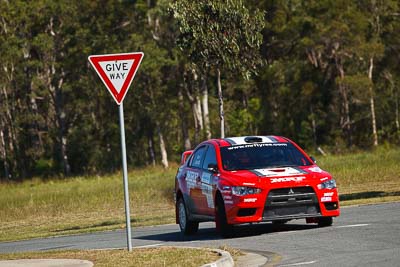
point(362, 236)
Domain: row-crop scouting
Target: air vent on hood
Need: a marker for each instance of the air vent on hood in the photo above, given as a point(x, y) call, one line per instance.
point(253, 139)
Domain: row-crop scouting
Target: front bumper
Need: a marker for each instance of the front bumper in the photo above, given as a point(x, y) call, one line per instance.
point(283, 204)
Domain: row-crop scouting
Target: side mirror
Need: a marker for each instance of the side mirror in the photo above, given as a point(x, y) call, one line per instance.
point(313, 159)
point(212, 168)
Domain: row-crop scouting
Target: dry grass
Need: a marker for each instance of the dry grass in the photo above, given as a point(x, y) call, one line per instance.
point(86, 204)
point(367, 177)
point(163, 256)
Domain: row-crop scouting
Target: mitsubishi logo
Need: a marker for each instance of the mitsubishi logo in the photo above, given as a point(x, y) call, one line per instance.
point(291, 192)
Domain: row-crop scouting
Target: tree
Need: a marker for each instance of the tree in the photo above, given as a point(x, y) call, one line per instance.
point(222, 35)
point(331, 32)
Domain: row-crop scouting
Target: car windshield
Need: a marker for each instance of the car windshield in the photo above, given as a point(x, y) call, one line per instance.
point(262, 156)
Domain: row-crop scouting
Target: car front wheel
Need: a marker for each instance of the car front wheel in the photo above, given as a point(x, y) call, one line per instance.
point(187, 227)
point(223, 227)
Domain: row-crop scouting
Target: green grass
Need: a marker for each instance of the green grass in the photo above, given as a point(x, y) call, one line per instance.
point(163, 256)
point(86, 204)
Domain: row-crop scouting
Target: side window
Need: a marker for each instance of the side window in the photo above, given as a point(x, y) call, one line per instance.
point(210, 157)
point(197, 157)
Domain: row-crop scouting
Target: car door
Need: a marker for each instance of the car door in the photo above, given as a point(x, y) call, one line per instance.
point(193, 180)
point(207, 181)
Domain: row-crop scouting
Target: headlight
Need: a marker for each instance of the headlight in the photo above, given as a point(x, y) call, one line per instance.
point(330, 184)
point(244, 190)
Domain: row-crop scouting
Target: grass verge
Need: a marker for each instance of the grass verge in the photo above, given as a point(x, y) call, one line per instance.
point(163, 256)
point(366, 177)
point(86, 204)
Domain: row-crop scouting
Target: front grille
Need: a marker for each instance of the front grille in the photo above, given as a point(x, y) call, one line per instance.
point(246, 212)
point(294, 202)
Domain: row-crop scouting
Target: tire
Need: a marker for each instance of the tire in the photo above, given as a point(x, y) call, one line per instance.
point(325, 221)
point(226, 230)
point(187, 227)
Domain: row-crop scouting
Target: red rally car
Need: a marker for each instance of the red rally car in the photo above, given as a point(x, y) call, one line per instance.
point(252, 179)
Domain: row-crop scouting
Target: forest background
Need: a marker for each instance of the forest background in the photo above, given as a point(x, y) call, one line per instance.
point(323, 73)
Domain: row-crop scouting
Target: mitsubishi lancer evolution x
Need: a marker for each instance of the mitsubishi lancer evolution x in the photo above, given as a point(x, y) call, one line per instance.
point(252, 179)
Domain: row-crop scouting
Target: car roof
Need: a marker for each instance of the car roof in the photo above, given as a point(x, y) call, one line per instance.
point(243, 140)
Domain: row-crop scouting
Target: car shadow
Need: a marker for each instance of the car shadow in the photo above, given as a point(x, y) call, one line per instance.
point(210, 233)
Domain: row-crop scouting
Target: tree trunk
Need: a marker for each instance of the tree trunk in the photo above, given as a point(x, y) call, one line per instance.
point(372, 104)
point(313, 125)
point(397, 112)
point(395, 96)
point(221, 104)
point(62, 127)
point(3, 152)
point(345, 121)
point(198, 125)
point(151, 149)
point(195, 104)
point(204, 103)
point(163, 150)
point(15, 168)
point(36, 136)
point(185, 131)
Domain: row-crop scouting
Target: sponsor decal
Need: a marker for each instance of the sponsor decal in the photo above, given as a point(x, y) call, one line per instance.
point(250, 200)
point(206, 178)
point(227, 197)
point(315, 169)
point(229, 202)
point(191, 179)
point(324, 179)
point(206, 188)
point(285, 171)
point(256, 145)
point(326, 199)
point(288, 179)
point(328, 194)
point(251, 184)
point(206, 185)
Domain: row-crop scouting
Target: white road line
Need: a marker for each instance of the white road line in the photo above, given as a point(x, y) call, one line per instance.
point(353, 225)
point(298, 264)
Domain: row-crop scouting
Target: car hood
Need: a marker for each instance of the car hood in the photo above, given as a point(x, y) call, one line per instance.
point(277, 177)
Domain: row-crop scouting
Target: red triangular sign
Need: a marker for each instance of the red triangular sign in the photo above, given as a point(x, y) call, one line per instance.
point(117, 71)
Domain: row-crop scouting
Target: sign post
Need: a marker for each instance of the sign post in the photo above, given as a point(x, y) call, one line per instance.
point(125, 177)
point(117, 72)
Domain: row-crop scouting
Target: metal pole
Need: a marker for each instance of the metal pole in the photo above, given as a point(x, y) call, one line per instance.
point(125, 176)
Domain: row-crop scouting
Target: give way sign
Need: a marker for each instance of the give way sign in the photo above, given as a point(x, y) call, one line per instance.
point(117, 71)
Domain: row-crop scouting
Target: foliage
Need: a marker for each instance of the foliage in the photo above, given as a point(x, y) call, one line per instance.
point(326, 63)
point(220, 33)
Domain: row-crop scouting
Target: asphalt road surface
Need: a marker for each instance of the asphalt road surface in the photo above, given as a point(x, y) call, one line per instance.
point(361, 236)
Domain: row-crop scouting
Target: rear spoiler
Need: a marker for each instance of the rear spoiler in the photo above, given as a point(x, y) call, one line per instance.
point(185, 156)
